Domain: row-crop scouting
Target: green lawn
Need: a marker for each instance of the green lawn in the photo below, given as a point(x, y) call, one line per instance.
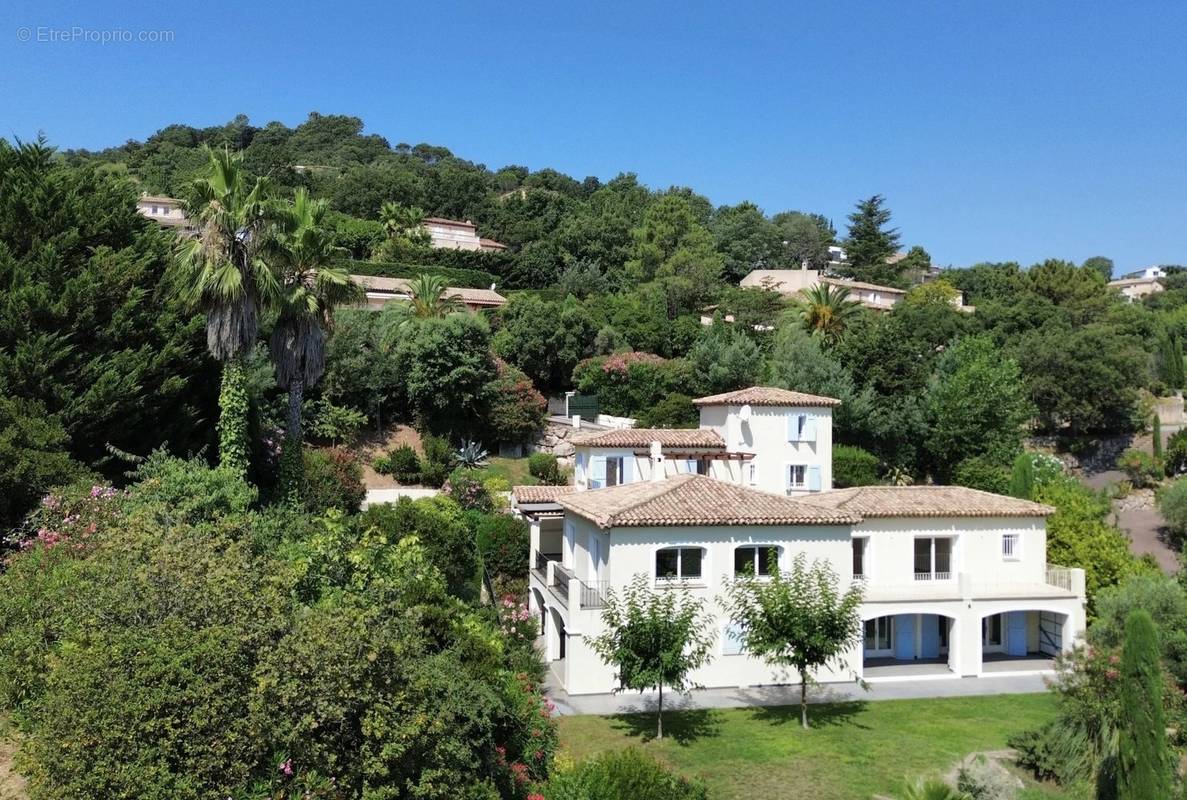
point(515, 470)
point(854, 750)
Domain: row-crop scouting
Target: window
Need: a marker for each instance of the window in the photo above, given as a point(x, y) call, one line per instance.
point(760, 560)
point(678, 563)
point(1011, 546)
point(933, 558)
point(694, 466)
point(859, 558)
point(879, 634)
point(752, 473)
point(614, 471)
point(800, 428)
point(797, 476)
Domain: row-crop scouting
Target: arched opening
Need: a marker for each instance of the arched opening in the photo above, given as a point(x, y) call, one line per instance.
point(557, 637)
point(1021, 640)
point(907, 645)
point(537, 605)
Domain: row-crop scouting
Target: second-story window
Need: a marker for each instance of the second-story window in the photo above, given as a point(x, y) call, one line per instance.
point(859, 557)
point(797, 476)
point(759, 560)
point(1011, 546)
point(933, 558)
point(678, 564)
point(614, 471)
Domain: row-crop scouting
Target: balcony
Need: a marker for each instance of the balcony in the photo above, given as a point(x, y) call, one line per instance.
point(563, 584)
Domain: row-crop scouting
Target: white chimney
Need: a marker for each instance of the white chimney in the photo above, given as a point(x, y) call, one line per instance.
point(657, 462)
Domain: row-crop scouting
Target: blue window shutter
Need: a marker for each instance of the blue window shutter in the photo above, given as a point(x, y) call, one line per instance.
point(597, 472)
point(809, 429)
point(792, 430)
point(814, 478)
point(690, 465)
point(628, 470)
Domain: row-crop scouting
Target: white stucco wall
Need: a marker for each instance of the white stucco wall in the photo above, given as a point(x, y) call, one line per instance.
point(988, 586)
point(765, 435)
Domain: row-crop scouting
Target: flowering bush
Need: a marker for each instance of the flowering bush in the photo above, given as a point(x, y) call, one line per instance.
point(467, 490)
point(516, 620)
point(69, 518)
point(515, 410)
point(631, 383)
point(527, 754)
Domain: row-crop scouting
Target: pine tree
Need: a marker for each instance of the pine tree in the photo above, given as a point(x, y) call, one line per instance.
point(1143, 763)
point(871, 242)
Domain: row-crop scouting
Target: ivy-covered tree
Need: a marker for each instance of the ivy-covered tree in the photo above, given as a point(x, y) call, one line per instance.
point(654, 639)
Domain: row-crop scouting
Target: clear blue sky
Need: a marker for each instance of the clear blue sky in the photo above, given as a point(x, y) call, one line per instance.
point(997, 130)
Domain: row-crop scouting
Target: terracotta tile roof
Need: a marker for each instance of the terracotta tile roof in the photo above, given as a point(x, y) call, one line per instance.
point(766, 396)
point(540, 494)
point(158, 198)
point(491, 244)
point(643, 437)
point(926, 501)
point(455, 223)
point(481, 297)
point(695, 500)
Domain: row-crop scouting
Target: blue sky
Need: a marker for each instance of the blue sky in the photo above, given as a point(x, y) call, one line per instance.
point(997, 130)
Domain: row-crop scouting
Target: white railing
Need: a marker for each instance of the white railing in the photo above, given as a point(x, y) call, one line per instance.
point(1059, 577)
point(933, 576)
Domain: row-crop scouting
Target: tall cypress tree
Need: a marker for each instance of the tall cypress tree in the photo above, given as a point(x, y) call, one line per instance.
point(1177, 363)
point(1143, 761)
point(1022, 478)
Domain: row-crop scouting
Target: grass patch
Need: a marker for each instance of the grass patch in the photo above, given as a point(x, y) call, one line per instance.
point(854, 750)
point(514, 470)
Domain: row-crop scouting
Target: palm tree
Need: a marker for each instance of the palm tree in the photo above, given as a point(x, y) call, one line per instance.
point(429, 298)
point(220, 273)
point(825, 310)
point(302, 253)
point(403, 222)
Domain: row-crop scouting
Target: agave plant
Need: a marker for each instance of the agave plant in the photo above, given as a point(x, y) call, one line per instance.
point(932, 789)
point(471, 455)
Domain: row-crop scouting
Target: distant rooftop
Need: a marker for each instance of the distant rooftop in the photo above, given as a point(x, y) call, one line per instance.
point(925, 501)
point(766, 396)
point(643, 437)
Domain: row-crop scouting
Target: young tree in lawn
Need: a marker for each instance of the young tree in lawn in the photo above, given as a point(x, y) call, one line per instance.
point(799, 619)
point(301, 252)
point(654, 639)
point(1143, 767)
point(220, 272)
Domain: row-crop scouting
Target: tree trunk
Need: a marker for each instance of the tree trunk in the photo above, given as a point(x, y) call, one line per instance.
point(659, 717)
point(292, 463)
point(804, 698)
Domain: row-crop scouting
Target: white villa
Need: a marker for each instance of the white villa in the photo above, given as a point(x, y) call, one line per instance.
point(956, 580)
point(168, 212)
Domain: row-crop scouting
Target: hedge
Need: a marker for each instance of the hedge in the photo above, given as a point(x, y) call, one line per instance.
point(461, 278)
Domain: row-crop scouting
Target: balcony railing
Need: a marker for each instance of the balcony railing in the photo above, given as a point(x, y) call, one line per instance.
point(933, 576)
point(1059, 577)
point(593, 593)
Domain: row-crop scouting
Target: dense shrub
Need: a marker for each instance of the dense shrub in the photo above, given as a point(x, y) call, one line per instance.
point(189, 490)
point(503, 542)
point(1142, 468)
point(404, 464)
point(983, 779)
point(33, 457)
point(437, 461)
point(332, 423)
point(454, 276)
point(441, 529)
point(853, 466)
point(1172, 502)
point(333, 479)
point(982, 473)
point(1175, 452)
point(674, 411)
point(466, 488)
point(631, 383)
point(622, 774)
point(544, 467)
point(1166, 601)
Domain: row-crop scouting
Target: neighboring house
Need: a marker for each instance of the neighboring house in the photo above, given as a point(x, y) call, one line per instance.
point(165, 211)
point(452, 234)
point(956, 580)
point(381, 291)
point(1138, 284)
point(797, 281)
